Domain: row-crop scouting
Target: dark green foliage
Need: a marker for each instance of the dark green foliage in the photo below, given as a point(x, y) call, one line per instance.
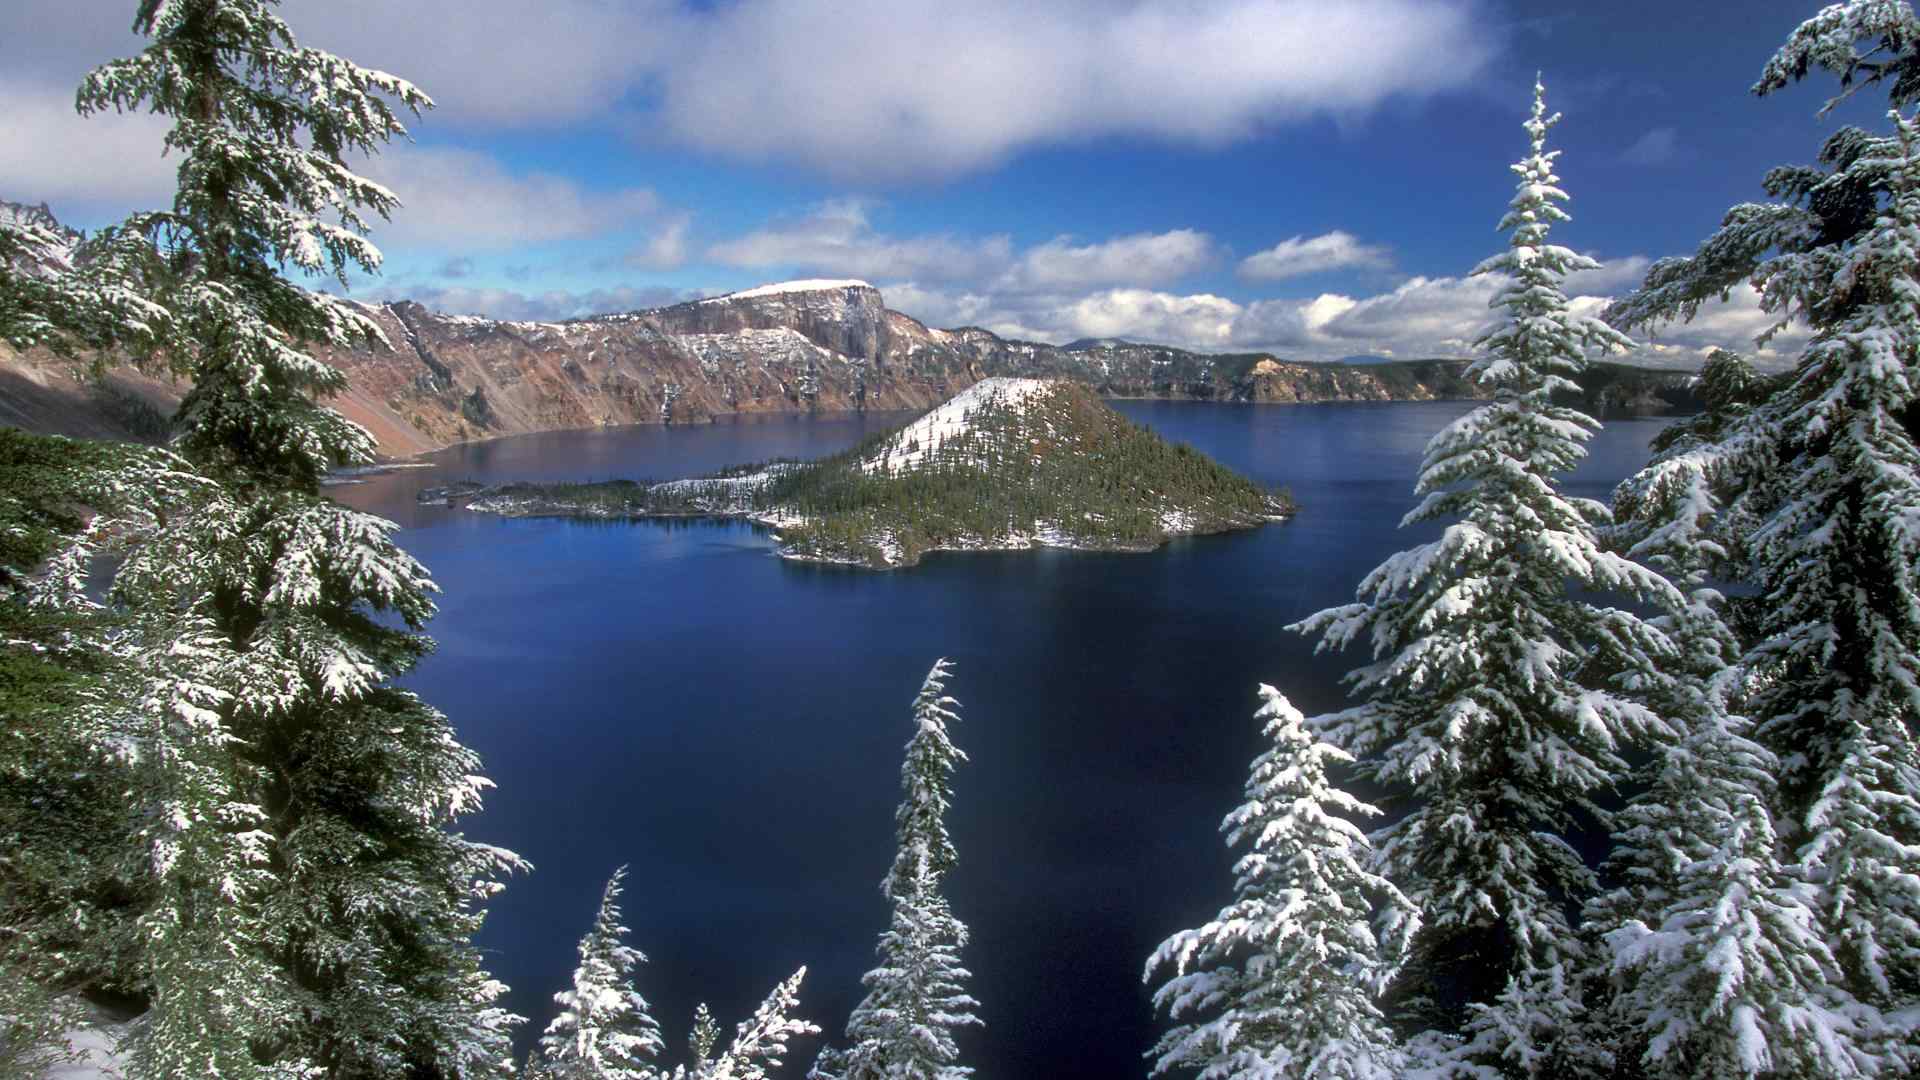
point(1069, 462)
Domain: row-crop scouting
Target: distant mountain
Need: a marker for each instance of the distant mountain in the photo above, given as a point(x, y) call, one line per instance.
point(1366, 360)
point(1007, 463)
point(41, 216)
point(1085, 343)
point(800, 346)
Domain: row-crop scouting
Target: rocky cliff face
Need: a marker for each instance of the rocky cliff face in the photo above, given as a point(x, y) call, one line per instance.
point(807, 346)
point(822, 346)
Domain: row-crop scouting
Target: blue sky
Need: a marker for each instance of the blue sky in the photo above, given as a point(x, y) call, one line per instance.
point(1314, 179)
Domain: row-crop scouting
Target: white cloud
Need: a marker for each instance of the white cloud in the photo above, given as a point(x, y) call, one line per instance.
point(106, 163)
point(1436, 316)
point(666, 248)
point(491, 63)
point(1202, 321)
point(464, 200)
point(1422, 317)
point(838, 238)
point(1301, 255)
point(1730, 325)
point(869, 88)
point(1614, 277)
point(1139, 259)
point(905, 88)
point(452, 199)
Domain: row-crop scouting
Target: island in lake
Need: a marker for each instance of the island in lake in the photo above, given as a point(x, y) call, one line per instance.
point(1006, 464)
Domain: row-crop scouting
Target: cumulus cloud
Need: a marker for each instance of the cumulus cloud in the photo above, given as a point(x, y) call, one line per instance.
point(1733, 325)
point(464, 200)
point(837, 237)
point(1421, 317)
point(452, 199)
point(1141, 259)
point(906, 88)
point(1298, 256)
point(871, 88)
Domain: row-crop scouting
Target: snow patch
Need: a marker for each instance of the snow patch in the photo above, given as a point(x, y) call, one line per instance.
point(914, 443)
point(783, 287)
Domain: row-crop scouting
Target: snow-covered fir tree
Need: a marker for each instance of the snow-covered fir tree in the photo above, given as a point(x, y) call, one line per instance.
point(1818, 488)
point(604, 1030)
point(262, 126)
point(1722, 972)
point(1709, 950)
point(303, 905)
point(760, 1042)
point(1486, 710)
point(82, 784)
point(1282, 983)
point(916, 998)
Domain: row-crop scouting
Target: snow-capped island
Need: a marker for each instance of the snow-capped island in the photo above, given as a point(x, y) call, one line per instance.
point(1006, 464)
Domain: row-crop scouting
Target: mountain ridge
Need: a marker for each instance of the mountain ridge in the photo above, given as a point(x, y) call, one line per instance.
point(792, 347)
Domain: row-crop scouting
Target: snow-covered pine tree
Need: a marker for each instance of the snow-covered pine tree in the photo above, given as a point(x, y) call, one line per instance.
point(1486, 713)
point(1820, 484)
point(759, 1042)
point(916, 998)
point(1287, 974)
point(360, 904)
point(262, 126)
point(82, 786)
point(1708, 948)
point(702, 1040)
point(1722, 972)
point(604, 1030)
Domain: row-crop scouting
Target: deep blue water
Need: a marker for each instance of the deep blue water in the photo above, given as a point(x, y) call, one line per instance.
point(729, 725)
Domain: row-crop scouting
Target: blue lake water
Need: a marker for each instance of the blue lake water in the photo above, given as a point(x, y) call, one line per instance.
point(729, 725)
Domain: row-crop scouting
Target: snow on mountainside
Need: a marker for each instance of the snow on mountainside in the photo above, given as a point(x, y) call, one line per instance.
point(912, 445)
point(797, 346)
point(784, 287)
point(40, 218)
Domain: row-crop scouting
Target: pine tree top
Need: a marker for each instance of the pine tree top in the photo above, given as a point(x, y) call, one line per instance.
point(926, 781)
point(1542, 343)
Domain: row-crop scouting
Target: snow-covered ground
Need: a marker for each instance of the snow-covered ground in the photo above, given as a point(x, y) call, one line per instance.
point(912, 445)
point(779, 288)
point(97, 1061)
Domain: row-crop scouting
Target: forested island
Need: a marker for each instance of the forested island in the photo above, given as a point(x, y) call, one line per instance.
point(1006, 464)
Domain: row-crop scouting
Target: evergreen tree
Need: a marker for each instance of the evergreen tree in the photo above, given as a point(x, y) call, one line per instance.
point(1289, 971)
point(759, 1042)
point(1819, 485)
point(604, 1030)
point(262, 126)
point(1711, 947)
point(904, 1029)
point(1488, 712)
point(306, 907)
point(78, 755)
